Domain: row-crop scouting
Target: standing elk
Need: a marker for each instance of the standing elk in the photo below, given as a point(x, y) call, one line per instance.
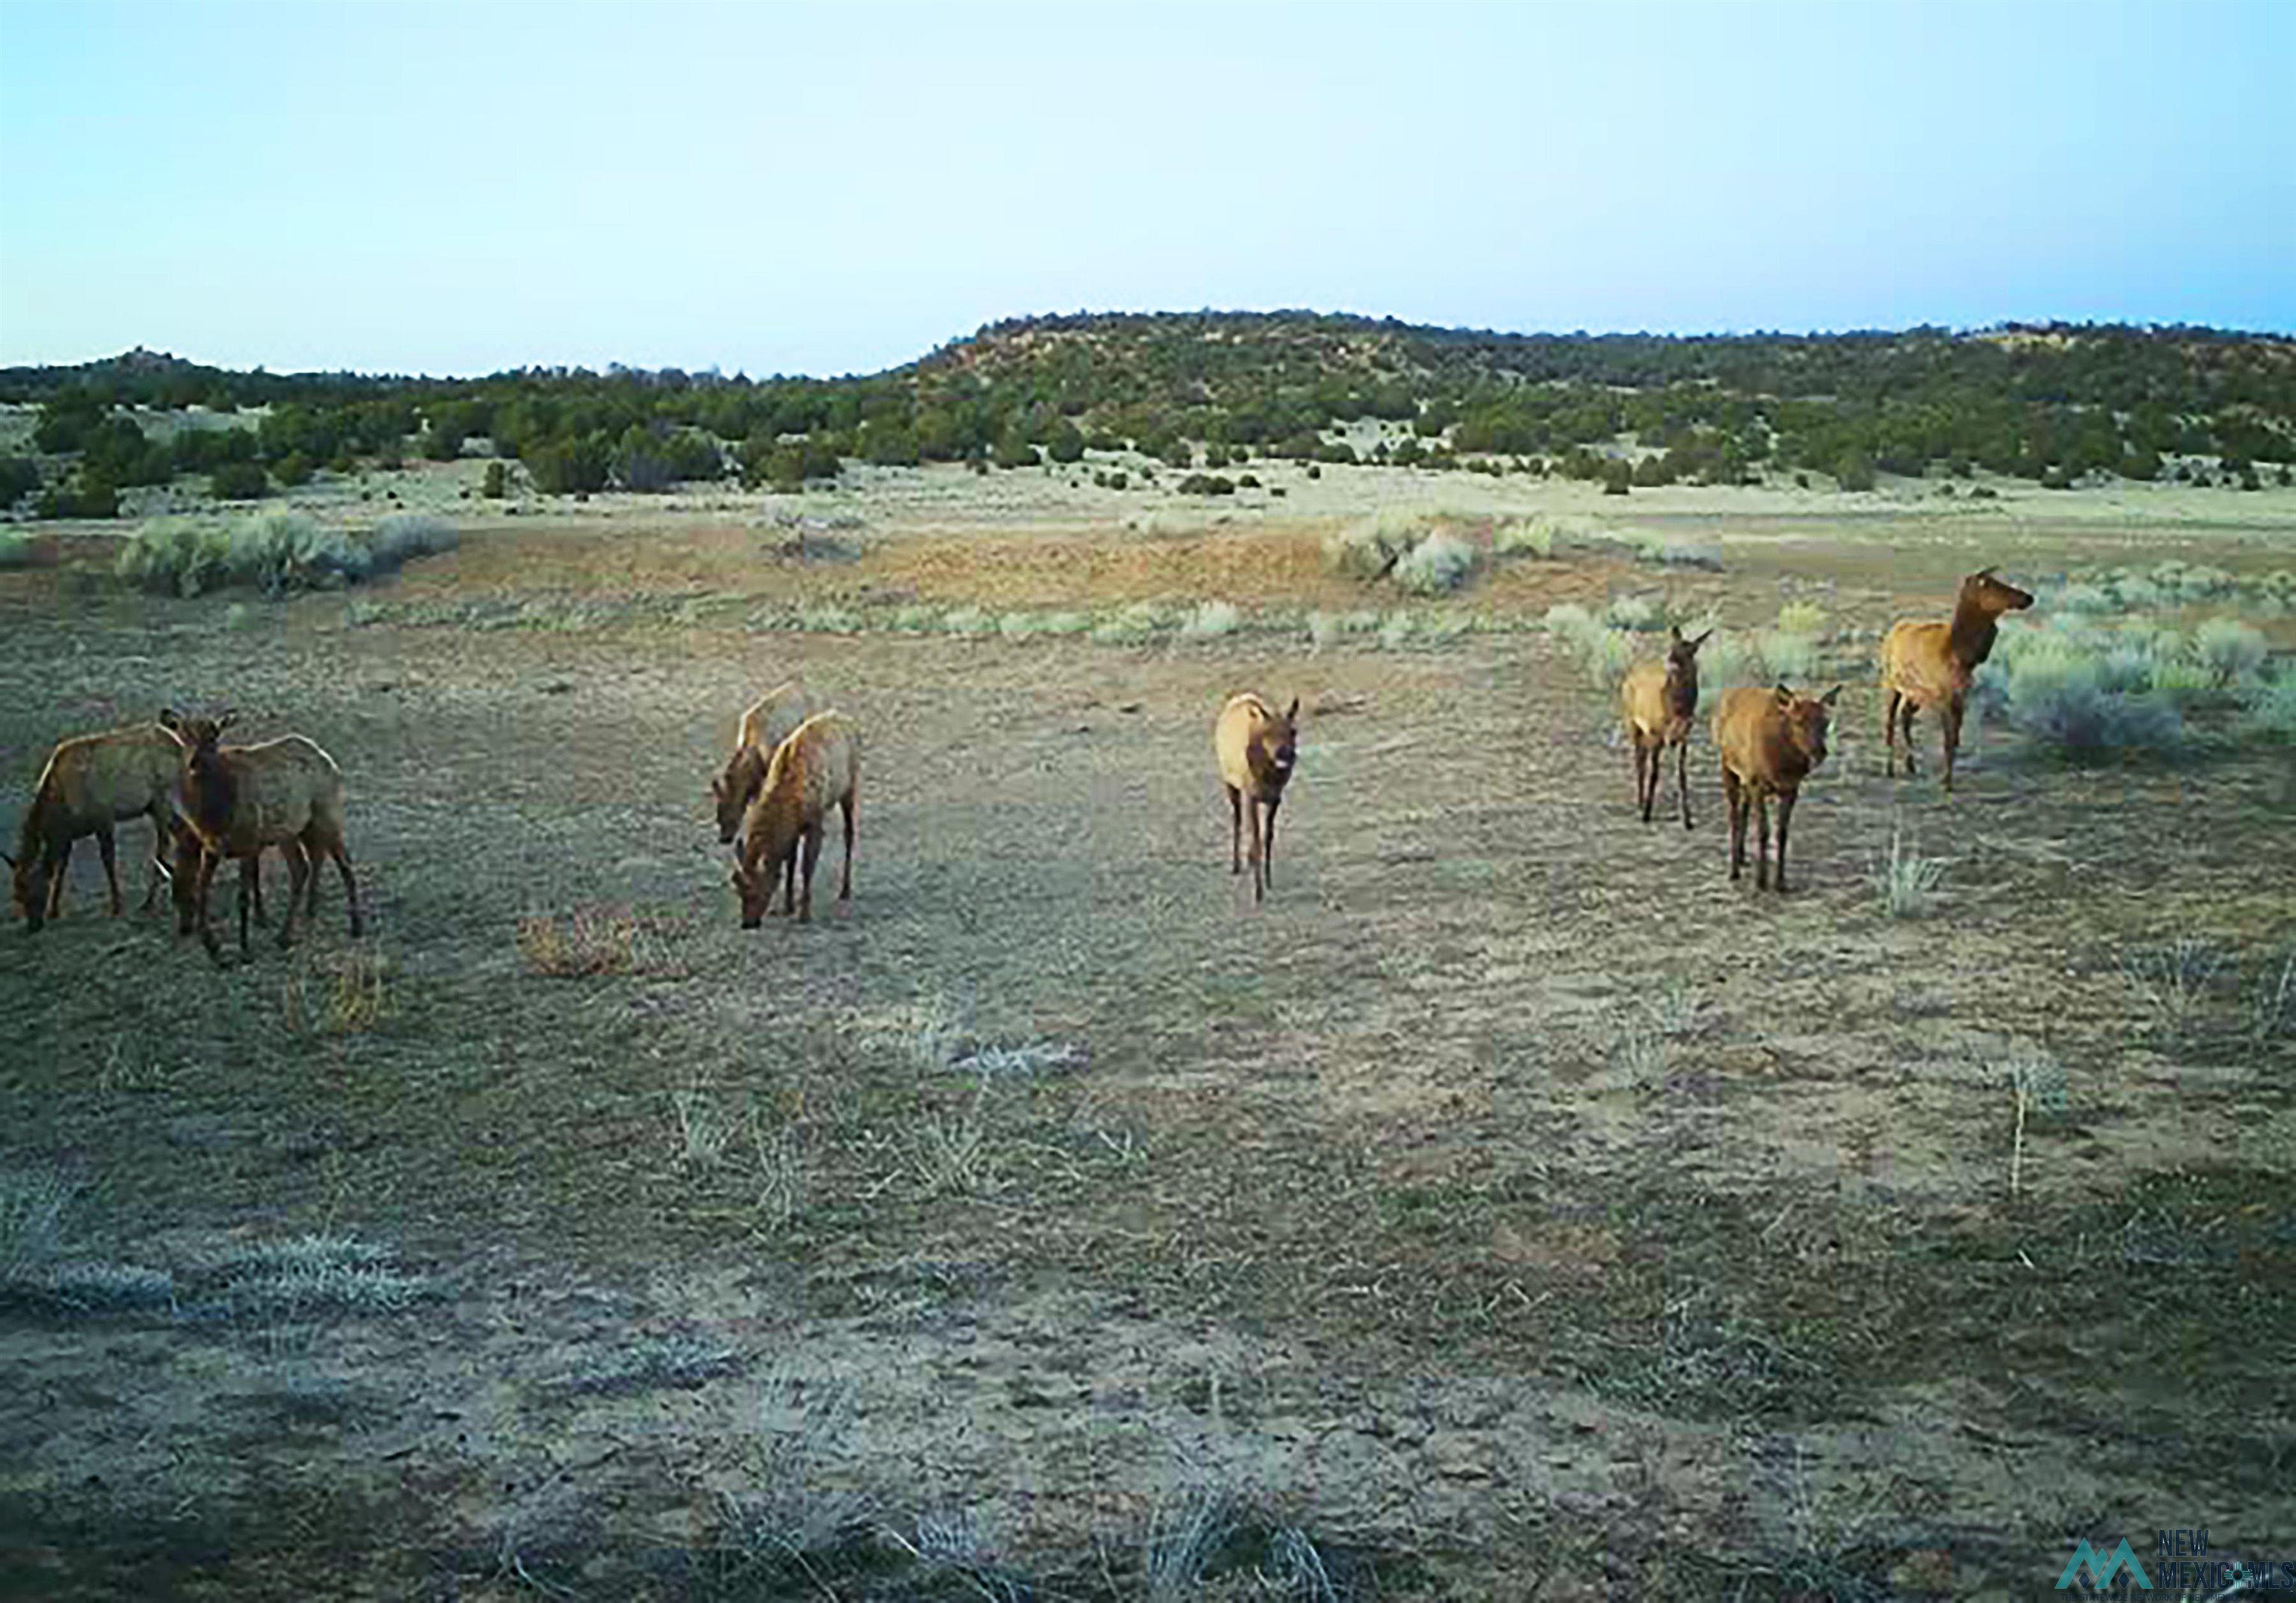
point(91, 782)
point(1257, 748)
point(818, 767)
point(1659, 702)
point(238, 799)
point(183, 878)
point(1770, 741)
point(763, 728)
point(1932, 665)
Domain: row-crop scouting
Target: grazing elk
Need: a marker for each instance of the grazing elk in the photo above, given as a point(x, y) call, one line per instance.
point(1770, 741)
point(818, 767)
point(91, 782)
point(239, 799)
point(1257, 748)
point(1659, 700)
point(763, 728)
point(1931, 664)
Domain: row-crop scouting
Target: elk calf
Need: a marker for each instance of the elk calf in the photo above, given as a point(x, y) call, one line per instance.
point(1257, 748)
point(1659, 701)
point(1770, 741)
point(1932, 665)
point(763, 728)
point(818, 767)
point(91, 782)
point(239, 799)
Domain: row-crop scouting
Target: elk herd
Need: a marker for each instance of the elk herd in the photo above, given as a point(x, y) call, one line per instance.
point(793, 763)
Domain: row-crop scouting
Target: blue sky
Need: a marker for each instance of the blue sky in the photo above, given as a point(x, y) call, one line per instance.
point(460, 188)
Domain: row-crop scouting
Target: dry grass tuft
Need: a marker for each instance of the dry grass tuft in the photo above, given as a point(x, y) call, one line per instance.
point(592, 942)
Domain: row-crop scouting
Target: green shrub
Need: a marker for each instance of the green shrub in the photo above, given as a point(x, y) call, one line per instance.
point(2230, 650)
point(2268, 710)
point(496, 485)
point(1802, 618)
point(86, 496)
point(1367, 550)
point(1206, 484)
point(237, 481)
point(1211, 620)
point(20, 476)
point(1436, 565)
point(1634, 612)
point(1525, 536)
point(278, 551)
point(15, 548)
point(1787, 658)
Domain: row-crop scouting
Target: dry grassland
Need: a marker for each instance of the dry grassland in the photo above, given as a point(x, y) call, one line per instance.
point(1509, 1208)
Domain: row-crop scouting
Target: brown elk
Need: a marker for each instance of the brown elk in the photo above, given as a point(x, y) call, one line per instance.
point(239, 799)
point(91, 782)
point(1931, 664)
point(1770, 741)
point(1660, 701)
point(818, 767)
point(763, 728)
point(1258, 748)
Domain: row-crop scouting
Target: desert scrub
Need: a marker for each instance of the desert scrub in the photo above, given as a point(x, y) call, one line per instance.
point(2230, 650)
point(1367, 549)
point(1211, 620)
point(1436, 565)
point(1525, 538)
point(2268, 710)
point(1634, 612)
point(2085, 691)
point(277, 551)
point(1906, 881)
point(592, 943)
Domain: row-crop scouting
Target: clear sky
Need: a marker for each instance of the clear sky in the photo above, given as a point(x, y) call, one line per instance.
point(453, 189)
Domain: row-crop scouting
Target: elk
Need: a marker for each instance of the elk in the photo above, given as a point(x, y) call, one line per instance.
point(91, 782)
point(238, 799)
point(818, 767)
point(1770, 741)
point(763, 728)
point(1659, 700)
point(1931, 664)
point(1257, 748)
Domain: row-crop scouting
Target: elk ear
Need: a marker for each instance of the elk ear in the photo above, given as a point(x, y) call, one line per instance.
point(1983, 573)
point(718, 787)
point(1674, 633)
point(10, 861)
point(1292, 711)
point(1785, 697)
point(1828, 699)
point(169, 718)
point(1701, 641)
point(227, 718)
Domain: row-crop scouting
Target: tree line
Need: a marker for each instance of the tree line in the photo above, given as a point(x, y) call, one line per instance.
point(2054, 404)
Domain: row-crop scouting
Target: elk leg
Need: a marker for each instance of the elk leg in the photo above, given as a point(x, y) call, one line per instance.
point(299, 873)
point(787, 870)
point(1642, 786)
point(1761, 840)
point(1251, 850)
point(245, 896)
point(109, 850)
point(1267, 840)
point(340, 853)
point(1949, 720)
point(1234, 828)
point(812, 849)
point(1733, 802)
point(845, 888)
point(1682, 779)
point(1889, 700)
point(1905, 711)
point(208, 861)
point(60, 864)
point(160, 832)
point(1785, 817)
